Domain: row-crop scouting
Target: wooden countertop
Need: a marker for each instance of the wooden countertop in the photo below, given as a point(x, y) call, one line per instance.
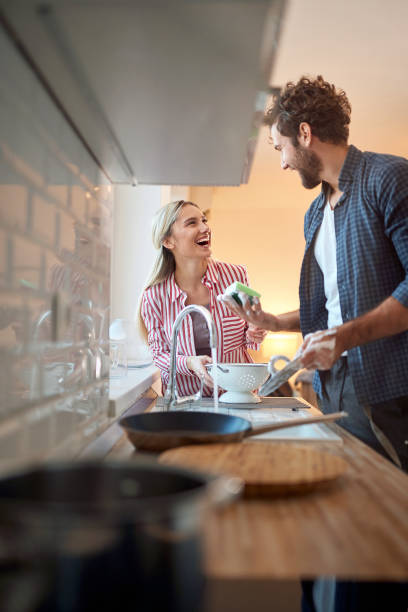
point(357, 528)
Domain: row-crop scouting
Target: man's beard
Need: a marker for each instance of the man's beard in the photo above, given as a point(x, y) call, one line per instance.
point(309, 167)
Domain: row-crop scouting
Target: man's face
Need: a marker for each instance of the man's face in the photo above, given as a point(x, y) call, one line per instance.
point(299, 158)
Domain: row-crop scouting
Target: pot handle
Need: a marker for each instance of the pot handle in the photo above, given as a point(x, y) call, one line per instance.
point(278, 377)
point(271, 365)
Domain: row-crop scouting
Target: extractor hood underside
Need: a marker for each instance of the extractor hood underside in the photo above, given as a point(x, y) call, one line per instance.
point(162, 92)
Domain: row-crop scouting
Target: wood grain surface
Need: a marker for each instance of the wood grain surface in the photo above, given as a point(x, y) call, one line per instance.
point(267, 469)
point(355, 529)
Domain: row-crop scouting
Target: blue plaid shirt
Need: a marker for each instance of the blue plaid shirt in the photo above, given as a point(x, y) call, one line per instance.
point(371, 222)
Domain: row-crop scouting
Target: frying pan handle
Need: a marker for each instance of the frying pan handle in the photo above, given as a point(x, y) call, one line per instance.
point(324, 418)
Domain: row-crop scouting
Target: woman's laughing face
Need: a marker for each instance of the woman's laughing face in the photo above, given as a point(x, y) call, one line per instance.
point(190, 234)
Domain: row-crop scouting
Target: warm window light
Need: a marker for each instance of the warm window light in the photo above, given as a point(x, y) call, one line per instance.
point(281, 344)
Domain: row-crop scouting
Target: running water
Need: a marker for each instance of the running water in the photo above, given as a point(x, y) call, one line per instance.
point(215, 376)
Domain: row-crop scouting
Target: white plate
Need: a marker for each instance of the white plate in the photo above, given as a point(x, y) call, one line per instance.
point(139, 363)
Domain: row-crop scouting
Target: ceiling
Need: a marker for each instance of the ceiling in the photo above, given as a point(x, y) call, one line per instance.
point(362, 47)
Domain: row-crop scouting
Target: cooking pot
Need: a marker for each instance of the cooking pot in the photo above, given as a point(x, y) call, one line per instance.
point(76, 537)
point(158, 431)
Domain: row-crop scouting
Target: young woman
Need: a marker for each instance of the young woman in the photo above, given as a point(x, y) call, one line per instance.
point(184, 274)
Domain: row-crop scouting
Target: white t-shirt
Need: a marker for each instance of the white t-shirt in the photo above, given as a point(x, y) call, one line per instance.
point(325, 253)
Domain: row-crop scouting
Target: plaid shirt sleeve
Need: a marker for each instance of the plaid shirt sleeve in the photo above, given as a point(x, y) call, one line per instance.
point(392, 197)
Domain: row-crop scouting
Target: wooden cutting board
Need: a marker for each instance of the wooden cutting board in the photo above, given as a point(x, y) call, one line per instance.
point(267, 469)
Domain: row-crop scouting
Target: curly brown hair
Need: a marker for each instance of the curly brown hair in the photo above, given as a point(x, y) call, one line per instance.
point(316, 102)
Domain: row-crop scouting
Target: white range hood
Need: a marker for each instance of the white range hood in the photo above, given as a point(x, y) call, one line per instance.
point(161, 91)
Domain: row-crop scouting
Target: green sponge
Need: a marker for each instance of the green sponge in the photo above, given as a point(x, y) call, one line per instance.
point(233, 290)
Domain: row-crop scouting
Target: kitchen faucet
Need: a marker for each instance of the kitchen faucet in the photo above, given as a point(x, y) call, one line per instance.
point(170, 395)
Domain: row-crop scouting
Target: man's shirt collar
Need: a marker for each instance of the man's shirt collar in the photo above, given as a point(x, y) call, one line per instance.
point(347, 173)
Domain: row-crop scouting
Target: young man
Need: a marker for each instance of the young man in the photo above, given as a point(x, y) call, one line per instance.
point(353, 286)
point(354, 278)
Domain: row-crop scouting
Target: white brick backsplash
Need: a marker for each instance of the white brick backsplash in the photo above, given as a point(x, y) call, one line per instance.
point(57, 180)
point(44, 224)
point(79, 202)
point(103, 258)
point(40, 429)
point(90, 173)
point(27, 259)
point(5, 399)
point(3, 257)
point(24, 381)
point(11, 442)
point(12, 308)
point(59, 193)
point(13, 203)
point(71, 153)
point(55, 234)
point(67, 236)
point(53, 281)
point(65, 421)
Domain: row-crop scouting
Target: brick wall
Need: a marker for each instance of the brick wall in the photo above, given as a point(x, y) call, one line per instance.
point(55, 233)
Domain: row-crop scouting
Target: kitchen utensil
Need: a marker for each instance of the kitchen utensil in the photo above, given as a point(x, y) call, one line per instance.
point(266, 469)
point(158, 431)
point(239, 380)
point(93, 535)
point(278, 377)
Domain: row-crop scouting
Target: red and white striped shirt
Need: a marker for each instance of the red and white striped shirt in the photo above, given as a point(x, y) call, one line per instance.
point(162, 303)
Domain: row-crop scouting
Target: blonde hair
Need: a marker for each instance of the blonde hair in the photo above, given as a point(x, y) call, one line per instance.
point(164, 264)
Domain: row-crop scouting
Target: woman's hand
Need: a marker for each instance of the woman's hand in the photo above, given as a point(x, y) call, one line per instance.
point(197, 365)
point(256, 334)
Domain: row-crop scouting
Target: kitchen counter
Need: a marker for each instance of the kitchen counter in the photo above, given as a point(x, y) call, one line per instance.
point(357, 528)
point(123, 392)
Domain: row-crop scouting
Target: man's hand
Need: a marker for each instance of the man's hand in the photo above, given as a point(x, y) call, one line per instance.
point(321, 349)
point(197, 365)
point(252, 313)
